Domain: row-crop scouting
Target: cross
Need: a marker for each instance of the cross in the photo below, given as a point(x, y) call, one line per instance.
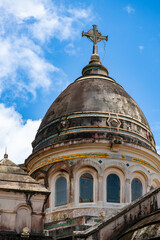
point(95, 36)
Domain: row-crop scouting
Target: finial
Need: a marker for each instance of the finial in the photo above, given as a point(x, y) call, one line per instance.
point(5, 155)
point(95, 36)
point(95, 66)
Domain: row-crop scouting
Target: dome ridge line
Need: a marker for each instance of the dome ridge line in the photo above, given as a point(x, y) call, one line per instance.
point(100, 76)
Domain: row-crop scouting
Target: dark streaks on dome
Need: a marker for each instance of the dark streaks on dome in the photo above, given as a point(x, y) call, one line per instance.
point(82, 111)
point(94, 107)
point(94, 94)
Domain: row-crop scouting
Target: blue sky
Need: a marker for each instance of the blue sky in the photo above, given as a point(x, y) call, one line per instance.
point(42, 51)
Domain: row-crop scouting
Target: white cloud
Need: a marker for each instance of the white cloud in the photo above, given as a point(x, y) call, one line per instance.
point(25, 29)
point(141, 48)
point(16, 134)
point(24, 9)
point(43, 18)
point(70, 49)
point(19, 56)
point(129, 9)
point(25, 26)
point(61, 23)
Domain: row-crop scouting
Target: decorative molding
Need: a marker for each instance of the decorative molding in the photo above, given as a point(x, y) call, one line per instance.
point(105, 122)
point(91, 155)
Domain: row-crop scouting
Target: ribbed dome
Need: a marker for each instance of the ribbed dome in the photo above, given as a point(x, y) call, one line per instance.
point(94, 107)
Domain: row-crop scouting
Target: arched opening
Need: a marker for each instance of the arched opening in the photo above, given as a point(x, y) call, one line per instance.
point(61, 191)
point(136, 188)
point(155, 183)
point(86, 188)
point(113, 188)
point(23, 219)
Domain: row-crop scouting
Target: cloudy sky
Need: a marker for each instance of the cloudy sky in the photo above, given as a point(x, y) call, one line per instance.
point(42, 51)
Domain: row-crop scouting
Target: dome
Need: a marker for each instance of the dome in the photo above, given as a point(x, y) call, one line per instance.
point(94, 108)
point(94, 150)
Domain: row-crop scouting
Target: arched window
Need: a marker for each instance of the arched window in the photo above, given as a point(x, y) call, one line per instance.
point(113, 188)
point(86, 188)
point(60, 191)
point(136, 187)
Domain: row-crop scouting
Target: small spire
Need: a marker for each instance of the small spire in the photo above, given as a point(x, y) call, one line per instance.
point(95, 66)
point(5, 155)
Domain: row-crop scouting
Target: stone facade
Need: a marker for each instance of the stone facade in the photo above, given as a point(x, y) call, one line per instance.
point(138, 221)
point(100, 160)
point(22, 201)
point(94, 151)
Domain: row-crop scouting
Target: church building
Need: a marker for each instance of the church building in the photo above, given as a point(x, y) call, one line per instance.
point(95, 154)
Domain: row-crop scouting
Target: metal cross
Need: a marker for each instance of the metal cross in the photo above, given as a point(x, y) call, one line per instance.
point(95, 36)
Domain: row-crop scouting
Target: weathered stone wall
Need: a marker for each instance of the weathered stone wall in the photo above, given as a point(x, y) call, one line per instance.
point(118, 225)
point(14, 236)
point(19, 210)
